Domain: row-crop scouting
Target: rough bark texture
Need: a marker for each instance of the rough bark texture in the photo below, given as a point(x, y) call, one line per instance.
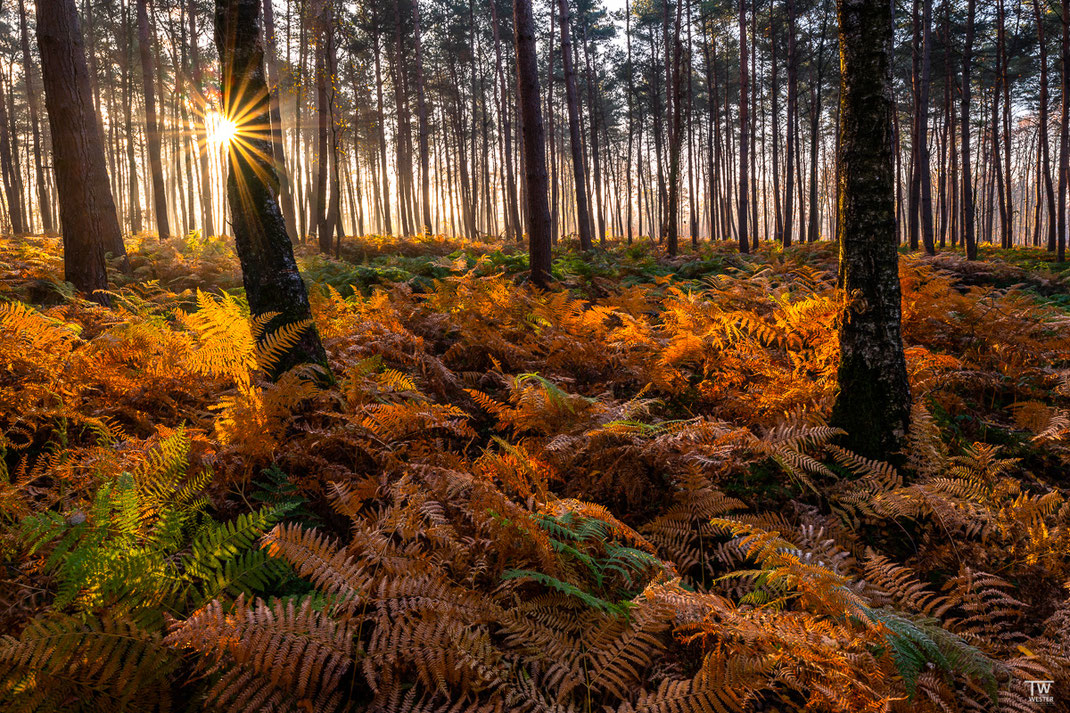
point(86, 208)
point(269, 271)
point(873, 404)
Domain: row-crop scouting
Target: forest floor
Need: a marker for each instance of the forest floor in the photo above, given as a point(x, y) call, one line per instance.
point(617, 495)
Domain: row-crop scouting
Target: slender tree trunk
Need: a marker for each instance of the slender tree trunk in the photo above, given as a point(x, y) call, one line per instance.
point(511, 210)
point(43, 200)
point(380, 121)
point(922, 131)
point(1064, 130)
point(202, 133)
point(421, 112)
point(744, 182)
point(791, 148)
point(1045, 152)
point(629, 71)
point(152, 131)
point(968, 236)
point(278, 145)
point(675, 101)
point(534, 144)
point(873, 404)
point(7, 164)
point(572, 101)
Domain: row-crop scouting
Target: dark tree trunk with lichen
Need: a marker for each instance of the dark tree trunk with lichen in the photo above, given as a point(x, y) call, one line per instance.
point(86, 208)
point(269, 271)
point(873, 404)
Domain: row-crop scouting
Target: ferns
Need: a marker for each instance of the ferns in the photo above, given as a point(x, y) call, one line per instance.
point(609, 498)
point(279, 657)
point(84, 664)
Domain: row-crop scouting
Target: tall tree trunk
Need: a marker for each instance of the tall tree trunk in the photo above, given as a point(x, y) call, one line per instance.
point(873, 404)
point(43, 201)
point(86, 207)
point(7, 166)
point(572, 100)
point(774, 80)
point(791, 148)
point(152, 129)
point(511, 208)
point(815, 140)
point(1008, 198)
point(1064, 130)
point(380, 121)
point(595, 119)
point(628, 70)
point(421, 112)
point(269, 271)
point(744, 182)
point(969, 238)
point(531, 132)
point(922, 129)
point(202, 130)
point(278, 145)
point(1045, 152)
point(674, 96)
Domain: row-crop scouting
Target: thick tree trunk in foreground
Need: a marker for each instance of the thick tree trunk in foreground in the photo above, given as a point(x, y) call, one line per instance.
point(152, 126)
point(269, 271)
point(873, 404)
point(534, 143)
point(86, 207)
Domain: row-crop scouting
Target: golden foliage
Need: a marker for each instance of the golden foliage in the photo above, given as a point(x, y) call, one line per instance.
point(610, 498)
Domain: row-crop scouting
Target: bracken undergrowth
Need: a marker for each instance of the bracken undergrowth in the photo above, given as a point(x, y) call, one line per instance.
point(619, 495)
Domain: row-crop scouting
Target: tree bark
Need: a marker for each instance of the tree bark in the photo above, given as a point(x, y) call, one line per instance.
point(791, 149)
point(278, 145)
point(1064, 131)
point(674, 95)
point(572, 99)
point(423, 131)
point(152, 129)
point(534, 143)
point(269, 271)
point(1045, 151)
point(873, 404)
point(43, 201)
point(7, 166)
point(744, 182)
point(86, 207)
point(969, 237)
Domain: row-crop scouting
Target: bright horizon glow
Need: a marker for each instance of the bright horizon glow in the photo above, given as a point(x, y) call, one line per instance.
point(221, 130)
